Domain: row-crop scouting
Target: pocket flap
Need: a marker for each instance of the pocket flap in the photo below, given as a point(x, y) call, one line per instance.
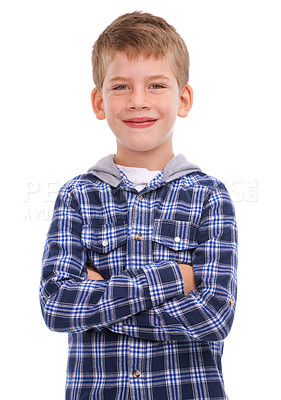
point(105, 238)
point(177, 235)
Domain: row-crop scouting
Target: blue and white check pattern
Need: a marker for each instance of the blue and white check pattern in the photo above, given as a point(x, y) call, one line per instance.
point(135, 334)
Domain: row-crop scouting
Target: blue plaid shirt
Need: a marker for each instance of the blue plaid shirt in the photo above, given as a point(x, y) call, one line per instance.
point(135, 334)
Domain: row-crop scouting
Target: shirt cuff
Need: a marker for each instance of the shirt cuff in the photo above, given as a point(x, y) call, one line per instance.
point(164, 281)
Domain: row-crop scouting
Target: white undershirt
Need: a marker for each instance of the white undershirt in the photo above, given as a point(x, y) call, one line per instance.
point(139, 177)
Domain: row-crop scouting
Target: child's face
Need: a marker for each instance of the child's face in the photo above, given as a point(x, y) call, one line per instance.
point(141, 99)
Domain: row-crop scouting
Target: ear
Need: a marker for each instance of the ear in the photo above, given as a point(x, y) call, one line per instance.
point(186, 101)
point(97, 103)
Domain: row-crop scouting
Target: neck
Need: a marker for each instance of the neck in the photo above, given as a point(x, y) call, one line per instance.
point(143, 159)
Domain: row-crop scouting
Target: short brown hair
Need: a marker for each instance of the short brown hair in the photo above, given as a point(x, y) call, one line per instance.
point(138, 34)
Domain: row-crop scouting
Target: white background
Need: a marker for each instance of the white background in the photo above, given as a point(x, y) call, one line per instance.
point(49, 135)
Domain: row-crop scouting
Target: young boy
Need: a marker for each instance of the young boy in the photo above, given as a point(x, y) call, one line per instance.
point(139, 265)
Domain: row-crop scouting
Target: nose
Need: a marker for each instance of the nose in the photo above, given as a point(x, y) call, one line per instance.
point(138, 100)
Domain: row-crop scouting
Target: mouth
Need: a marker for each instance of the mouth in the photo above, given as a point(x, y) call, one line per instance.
point(140, 123)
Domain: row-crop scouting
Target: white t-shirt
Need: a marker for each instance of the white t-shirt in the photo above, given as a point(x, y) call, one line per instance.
point(139, 177)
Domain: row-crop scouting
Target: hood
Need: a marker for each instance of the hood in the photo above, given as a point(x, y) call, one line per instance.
point(106, 170)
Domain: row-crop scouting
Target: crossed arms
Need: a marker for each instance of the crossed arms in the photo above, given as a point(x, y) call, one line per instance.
point(186, 271)
point(159, 301)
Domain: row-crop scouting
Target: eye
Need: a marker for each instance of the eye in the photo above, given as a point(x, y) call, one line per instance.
point(120, 87)
point(156, 86)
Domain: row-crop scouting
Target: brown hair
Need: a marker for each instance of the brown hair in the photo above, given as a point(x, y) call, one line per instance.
point(137, 34)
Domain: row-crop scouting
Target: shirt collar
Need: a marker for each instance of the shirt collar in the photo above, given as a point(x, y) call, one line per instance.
point(106, 170)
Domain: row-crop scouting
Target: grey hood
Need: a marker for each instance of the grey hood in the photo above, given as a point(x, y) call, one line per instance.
point(106, 170)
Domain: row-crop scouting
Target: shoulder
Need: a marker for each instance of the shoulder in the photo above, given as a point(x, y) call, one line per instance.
point(80, 190)
point(206, 190)
point(199, 179)
point(82, 182)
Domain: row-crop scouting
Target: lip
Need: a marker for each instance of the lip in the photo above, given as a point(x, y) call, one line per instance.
point(140, 122)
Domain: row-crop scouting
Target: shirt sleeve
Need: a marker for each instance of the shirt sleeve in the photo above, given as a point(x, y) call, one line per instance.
point(206, 313)
point(70, 302)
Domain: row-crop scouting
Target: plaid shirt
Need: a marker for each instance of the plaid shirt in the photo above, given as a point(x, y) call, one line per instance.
point(135, 334)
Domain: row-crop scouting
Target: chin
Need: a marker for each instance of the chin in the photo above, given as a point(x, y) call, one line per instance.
point(145, 145)
point(142, 148)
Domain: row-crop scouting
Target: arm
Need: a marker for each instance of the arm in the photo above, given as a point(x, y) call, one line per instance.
point(186, 272)
point(207, 312)
point(70, 302)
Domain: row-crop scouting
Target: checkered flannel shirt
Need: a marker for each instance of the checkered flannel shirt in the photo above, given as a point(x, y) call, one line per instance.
point(135, 335)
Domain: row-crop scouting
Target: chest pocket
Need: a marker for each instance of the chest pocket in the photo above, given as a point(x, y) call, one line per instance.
point(174, 240)
point(105, 238)
point(107, 245)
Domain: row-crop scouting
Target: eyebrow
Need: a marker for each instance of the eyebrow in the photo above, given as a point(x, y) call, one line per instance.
point(149, 77)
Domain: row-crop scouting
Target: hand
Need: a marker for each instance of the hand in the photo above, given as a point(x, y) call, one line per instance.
point(93, 275)
point(188, 278)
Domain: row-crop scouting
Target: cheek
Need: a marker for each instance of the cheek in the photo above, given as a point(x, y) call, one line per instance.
point(113, 107)
point(170, 105)
point(171, 110)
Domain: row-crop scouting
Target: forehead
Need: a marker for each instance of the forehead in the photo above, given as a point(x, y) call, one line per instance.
point(137, 65)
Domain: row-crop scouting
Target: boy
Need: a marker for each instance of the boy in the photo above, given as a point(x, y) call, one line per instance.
point(139, 265)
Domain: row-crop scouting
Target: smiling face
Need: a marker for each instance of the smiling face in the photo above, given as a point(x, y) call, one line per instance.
point(141, 99)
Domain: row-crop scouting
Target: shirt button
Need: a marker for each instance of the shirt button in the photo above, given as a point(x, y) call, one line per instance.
point(138, 237)
point(177, 239)
point(231, 302)
point(141, 196)
point(136, 373)
point(104, 243)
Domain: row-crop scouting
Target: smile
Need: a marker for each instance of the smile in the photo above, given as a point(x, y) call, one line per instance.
point(140, 123)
